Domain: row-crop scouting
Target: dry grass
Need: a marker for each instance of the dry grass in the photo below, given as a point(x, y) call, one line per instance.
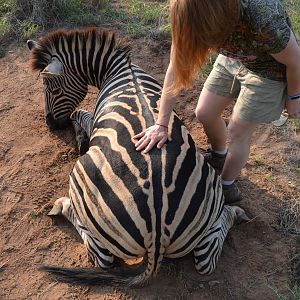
point(288, 219)
point(22, 19)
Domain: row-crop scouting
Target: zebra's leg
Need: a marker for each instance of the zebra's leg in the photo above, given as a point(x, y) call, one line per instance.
point(82, 122)
point(208, 250)
point(100, 256)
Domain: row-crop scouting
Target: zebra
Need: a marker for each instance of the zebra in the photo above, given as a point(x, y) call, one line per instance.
point(124, 203)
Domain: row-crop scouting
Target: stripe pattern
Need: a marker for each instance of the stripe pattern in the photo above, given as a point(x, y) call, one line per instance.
point(122, 202)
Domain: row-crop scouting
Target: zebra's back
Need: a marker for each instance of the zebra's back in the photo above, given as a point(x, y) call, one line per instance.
point(166, 196)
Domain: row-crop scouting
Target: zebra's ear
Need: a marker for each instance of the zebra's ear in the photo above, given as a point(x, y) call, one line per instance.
point(53, 69)
point(31, 44)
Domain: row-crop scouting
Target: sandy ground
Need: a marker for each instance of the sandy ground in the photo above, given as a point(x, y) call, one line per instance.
point(34, 168)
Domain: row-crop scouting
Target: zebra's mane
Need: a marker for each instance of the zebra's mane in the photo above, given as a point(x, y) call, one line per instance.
point(48, 45)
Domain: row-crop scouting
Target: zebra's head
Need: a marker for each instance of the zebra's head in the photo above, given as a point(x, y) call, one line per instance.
point(63, 90)
point(69, 61)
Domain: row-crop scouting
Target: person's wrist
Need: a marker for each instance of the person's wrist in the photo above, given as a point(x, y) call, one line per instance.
point(162, 125)
point(294, 97)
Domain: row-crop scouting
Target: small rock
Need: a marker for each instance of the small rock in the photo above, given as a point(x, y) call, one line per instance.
point(213, 283)
point(37, 259)
point(44, 246)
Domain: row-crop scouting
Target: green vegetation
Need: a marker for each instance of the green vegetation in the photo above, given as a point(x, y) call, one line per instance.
point(258, 161)
point(293, 9)
point(21, 19)
point(291, 294)
point(24, 18)
point(143, 17)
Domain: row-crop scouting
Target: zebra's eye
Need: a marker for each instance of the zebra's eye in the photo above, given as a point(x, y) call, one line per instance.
point(56, 91)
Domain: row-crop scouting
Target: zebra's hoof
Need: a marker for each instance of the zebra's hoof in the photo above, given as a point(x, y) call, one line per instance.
point(55, 211)
point(241, 216)
point(57, 207)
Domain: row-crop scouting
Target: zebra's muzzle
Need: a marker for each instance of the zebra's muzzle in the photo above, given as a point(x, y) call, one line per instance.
point(55, 124)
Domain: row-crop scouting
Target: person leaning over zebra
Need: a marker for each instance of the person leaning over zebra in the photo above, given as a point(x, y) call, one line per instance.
point(258, 65)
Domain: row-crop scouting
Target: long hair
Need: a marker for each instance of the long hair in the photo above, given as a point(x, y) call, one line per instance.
point(198, 28)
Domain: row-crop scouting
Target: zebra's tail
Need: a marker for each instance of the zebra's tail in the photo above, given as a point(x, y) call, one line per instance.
point(89, 276)
point(134, 277)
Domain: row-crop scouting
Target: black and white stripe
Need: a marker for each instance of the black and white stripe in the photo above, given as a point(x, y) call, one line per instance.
point(125, 203)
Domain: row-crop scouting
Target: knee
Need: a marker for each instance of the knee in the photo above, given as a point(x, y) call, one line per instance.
point(198, 113)
point(237, 133)
point(202, 115)
point(234, 133)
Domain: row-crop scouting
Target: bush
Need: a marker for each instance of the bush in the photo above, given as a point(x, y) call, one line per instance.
point(23, 18)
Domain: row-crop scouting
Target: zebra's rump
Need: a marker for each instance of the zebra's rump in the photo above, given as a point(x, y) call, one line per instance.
point(126, 198)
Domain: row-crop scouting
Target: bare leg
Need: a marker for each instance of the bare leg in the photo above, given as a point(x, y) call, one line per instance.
point(208, 111)
point(239, 139)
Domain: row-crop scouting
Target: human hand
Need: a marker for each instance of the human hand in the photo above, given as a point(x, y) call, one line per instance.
point(156, 134)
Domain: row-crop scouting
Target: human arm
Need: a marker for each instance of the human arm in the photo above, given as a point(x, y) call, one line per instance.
point(290, 57)
point(158, 133)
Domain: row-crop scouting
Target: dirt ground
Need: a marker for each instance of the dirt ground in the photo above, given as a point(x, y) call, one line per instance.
point(34, 166)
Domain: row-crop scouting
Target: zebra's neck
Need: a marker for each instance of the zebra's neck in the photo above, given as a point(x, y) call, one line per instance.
point(101, 71)
point(118, 64)
point(105, 69)
point(94, 56)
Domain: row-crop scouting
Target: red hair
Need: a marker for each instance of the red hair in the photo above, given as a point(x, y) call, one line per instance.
point(198, 27)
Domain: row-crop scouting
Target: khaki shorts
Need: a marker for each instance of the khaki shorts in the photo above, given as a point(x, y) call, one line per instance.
point(258, 99)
